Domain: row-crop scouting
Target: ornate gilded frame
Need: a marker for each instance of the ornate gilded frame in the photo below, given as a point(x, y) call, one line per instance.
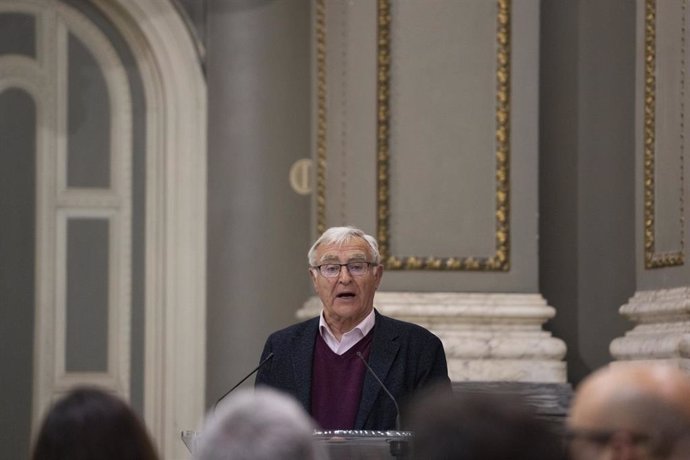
point(653, 259)
point(320, 52)
point(500, 260)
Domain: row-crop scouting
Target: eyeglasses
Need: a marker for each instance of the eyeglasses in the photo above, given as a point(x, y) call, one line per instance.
point(602, 437)
point(333, 270)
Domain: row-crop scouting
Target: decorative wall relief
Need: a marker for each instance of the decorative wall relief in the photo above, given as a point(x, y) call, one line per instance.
point(480, 250)
point(653, 257)
point(413, 114)
point(500, 260)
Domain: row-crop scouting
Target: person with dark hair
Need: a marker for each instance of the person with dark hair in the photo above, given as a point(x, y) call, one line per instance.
point(322, 361)
point(486, 426)
point(90, 424)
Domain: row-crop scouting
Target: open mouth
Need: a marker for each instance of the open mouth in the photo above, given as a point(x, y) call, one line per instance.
point(345, 295)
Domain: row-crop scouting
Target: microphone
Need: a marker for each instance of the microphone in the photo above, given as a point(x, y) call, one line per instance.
point(261, 364)
point(371, 371)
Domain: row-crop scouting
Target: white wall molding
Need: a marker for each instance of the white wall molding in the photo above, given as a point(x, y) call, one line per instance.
point(175, 92)
point(662, 328)
point(487, 337)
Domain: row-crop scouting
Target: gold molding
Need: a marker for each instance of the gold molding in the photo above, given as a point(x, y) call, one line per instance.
point(320, 32)
point(652, 259)
point(383, 31)
point(500, 260)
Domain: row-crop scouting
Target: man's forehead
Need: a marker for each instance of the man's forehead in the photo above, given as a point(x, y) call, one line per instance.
point(350, 249)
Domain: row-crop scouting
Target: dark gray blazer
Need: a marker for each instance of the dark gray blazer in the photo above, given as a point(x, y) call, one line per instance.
point(405, 356)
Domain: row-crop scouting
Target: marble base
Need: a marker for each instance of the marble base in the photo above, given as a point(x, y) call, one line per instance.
point(662, 331)
point(487, 337)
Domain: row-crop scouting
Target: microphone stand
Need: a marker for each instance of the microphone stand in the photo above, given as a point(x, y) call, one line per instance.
point(398, 448)
point(270, 355)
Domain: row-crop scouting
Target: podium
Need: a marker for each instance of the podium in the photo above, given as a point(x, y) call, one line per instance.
point(349, 444)
point(365, 445)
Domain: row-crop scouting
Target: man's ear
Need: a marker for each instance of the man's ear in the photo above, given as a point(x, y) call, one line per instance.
point(313, 275)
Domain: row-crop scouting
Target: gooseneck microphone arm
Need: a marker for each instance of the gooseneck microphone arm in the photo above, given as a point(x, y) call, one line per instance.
point(371, 371)
point(261, 364)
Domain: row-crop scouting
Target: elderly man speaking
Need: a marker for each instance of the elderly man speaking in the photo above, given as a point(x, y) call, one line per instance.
point(321, 361)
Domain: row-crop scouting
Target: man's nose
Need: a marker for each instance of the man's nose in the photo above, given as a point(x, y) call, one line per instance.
point(344, 276)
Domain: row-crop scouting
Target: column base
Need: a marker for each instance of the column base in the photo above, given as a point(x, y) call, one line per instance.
point(662, 333)
point(487, 337)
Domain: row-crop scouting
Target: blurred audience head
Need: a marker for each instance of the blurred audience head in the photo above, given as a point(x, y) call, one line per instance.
point(631, 411)
point(258, 424)
point(471, 426)
point(91, 424)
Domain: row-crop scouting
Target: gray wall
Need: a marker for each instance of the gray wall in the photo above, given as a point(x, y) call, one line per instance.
point(17, 253)
point(258, 66)
point(587, 174)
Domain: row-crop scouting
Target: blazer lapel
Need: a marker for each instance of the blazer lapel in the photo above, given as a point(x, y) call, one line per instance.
point(303, 346)
point(384, 348)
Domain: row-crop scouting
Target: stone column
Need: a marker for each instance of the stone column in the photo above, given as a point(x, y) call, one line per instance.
point(258, 83)
point(660, 308)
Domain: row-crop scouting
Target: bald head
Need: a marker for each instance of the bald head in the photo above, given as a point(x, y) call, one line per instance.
point(646, 406)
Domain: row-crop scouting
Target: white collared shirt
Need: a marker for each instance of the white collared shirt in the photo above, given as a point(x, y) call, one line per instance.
point(350, 338)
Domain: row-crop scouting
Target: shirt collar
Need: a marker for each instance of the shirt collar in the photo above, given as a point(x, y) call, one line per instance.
point(363, 328)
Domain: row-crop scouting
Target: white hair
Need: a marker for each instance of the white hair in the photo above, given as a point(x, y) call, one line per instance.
point(341, 235)
point(258, 424)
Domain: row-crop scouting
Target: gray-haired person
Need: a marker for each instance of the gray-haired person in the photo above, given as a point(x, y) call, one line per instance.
point(321, 361)
point(261, 424)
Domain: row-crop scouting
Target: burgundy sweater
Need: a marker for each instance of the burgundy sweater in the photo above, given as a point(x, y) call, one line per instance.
point(336, 385)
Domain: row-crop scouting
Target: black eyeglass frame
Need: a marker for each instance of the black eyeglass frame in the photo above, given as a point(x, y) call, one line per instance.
point(340, 268)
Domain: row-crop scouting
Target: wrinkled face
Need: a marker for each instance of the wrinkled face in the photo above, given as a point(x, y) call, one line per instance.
point(346, 299)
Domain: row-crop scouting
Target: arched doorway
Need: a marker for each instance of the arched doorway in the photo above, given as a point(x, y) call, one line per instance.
point(114, 203)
